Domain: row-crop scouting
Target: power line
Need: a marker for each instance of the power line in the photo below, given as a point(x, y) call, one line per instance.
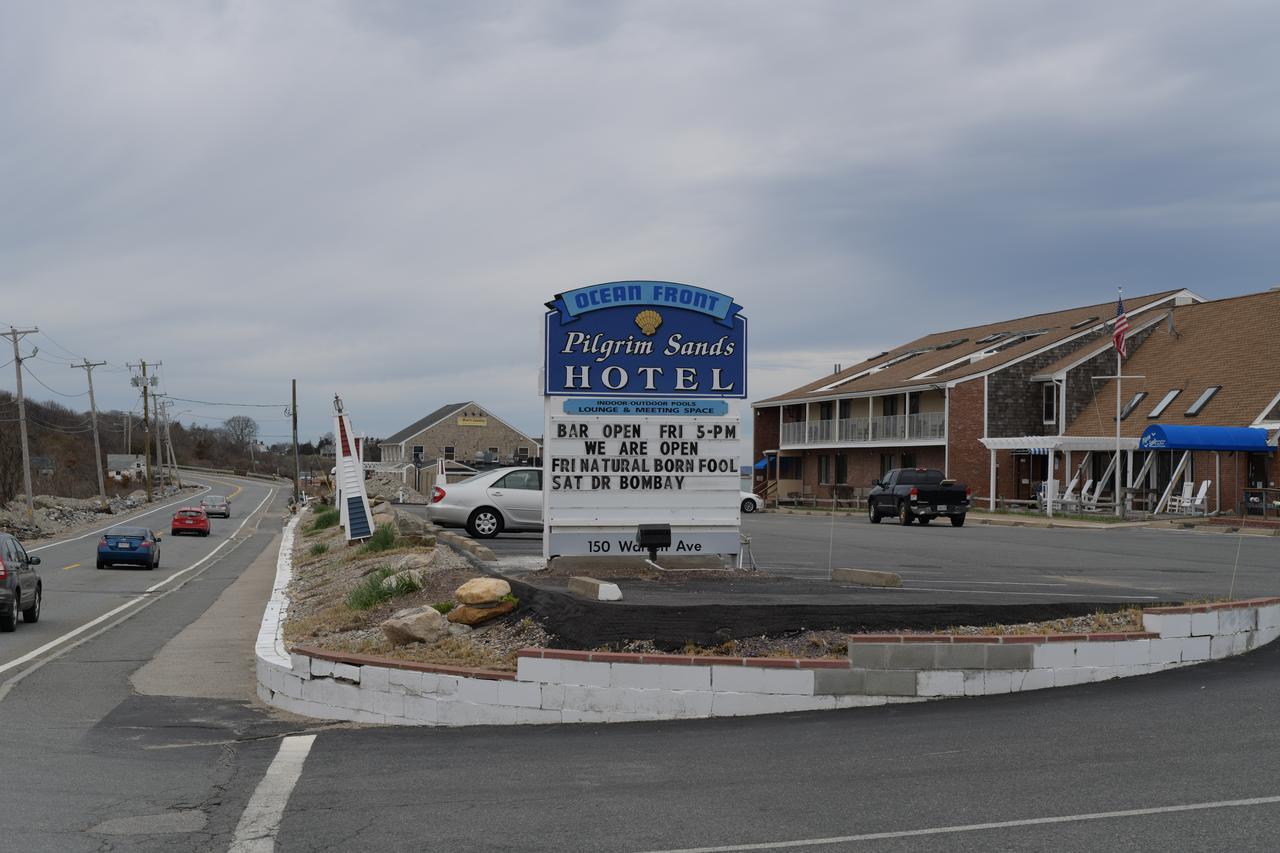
point(54, 390)
point(232, 405)
point(60, 346)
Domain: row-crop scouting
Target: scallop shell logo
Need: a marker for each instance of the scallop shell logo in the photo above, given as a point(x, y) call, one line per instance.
point(649, 321)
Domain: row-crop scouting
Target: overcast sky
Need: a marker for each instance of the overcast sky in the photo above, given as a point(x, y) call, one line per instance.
point(377, 197)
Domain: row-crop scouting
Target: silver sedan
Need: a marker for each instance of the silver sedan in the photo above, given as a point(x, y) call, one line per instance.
point(491, 502)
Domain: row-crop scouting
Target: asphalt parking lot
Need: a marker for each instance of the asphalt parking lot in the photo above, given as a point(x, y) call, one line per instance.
point(1004, 564)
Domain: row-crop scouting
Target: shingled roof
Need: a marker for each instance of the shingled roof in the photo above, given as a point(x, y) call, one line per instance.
point(961, 353)
point(1225, 342)
point(422, 423)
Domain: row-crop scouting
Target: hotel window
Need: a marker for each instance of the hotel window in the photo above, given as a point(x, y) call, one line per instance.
point(842, 468)
point(846, 409)
point(417, 453)
point(886, 463)
point(824, 411)
point(522, 452)
point(789, 468)
point(1203, 400)
point(1132, 404)
point(448, 451)
point(1050, 394)
point(1164, 403)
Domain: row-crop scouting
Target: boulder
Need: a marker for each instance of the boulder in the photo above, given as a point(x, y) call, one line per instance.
point(381, 518)
point(457, 629)
point(421, 540)
point(415, 625)
point(476, 614)
point(407, 523)
point(482, 591)
point(418, 561)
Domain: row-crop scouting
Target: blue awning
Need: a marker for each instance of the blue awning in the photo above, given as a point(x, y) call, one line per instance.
point(762, 464)
point(1178, 437)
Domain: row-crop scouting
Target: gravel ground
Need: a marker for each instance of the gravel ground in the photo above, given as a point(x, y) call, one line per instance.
point(318, 614)
point(58, 516)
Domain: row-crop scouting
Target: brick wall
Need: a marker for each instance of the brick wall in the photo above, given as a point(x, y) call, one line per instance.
point(864, 465)
point(766, 431)
point(967, 460)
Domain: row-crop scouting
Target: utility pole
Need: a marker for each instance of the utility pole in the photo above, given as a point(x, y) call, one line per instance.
point(168, 438)
point(16, 335)
point(145, 382)
point(88, 367)
point(159, 439)
point(297, 472)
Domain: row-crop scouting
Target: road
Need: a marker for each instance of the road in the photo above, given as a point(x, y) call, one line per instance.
point(1184, 760)
point(1000, 563)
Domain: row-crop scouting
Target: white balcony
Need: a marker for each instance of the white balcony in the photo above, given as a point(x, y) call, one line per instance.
point(925, 427)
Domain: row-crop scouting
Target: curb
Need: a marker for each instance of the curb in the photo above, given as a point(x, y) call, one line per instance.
point(563, 686)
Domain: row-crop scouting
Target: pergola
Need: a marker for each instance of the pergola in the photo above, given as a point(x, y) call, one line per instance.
point(1157, 437)
point(1067, 444)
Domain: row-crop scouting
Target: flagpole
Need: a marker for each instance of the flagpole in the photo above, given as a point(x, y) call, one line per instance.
point(1119, 371)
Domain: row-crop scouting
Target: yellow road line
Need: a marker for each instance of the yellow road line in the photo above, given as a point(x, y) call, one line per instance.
point(72, 566)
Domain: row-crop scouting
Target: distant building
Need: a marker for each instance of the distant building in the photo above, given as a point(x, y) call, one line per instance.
point(43, 465)
point(463, 432)
point(125, 465)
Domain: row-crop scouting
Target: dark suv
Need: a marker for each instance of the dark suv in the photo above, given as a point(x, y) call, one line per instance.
point(19, 584)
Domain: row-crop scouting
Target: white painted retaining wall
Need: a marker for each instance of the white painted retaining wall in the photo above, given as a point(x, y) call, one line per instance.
point(557, 686)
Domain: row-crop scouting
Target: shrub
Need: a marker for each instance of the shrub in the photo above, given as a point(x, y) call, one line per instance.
point(443, 607)
point(371, 591)
point(383, 539)
point(326, 518)
point(510, 597)
point(319, 548)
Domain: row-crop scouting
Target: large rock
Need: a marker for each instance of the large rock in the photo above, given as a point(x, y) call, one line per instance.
point(418, 560)
point(415, 625)
point(407, 523)
point(475, 614)
point(482, 591)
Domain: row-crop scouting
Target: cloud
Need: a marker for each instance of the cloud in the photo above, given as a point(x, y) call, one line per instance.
point(377, 197)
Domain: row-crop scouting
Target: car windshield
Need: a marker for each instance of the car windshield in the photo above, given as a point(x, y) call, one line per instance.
point(190, 513)
point(141, 532)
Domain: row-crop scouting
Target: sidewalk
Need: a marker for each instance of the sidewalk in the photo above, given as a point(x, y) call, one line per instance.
point(212, 658)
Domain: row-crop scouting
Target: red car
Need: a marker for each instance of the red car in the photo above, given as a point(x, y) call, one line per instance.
point(190, 519)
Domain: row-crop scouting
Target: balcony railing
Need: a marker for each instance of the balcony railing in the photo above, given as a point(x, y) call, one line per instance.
point(922, 426)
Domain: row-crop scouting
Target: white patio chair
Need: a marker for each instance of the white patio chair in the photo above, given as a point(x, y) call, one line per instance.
point(1196, 506)
point(1088, 501)
point(1182, 503)
point(1068, 498)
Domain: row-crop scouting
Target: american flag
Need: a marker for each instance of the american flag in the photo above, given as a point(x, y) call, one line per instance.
point(1121, 328)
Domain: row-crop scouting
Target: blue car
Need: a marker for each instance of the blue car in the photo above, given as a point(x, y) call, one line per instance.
point(136, 546)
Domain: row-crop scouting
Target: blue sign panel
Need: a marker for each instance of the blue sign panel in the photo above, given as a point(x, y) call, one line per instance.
point(646, 406)
point(645, 339)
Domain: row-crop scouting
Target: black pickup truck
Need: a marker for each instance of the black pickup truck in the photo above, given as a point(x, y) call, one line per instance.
point(917, 493)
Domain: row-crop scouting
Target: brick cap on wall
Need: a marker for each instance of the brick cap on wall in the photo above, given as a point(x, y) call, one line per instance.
point(684, 660)
point(1207, 608)
point(394, 663)
point(1004, 639)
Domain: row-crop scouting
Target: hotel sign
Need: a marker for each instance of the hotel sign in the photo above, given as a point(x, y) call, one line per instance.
point(645, 339)
point(642, 421)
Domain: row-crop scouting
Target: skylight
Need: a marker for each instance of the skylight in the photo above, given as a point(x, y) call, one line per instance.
point(949, 344)
point(1132, 404)
point(1203, 400)
point(1164, 403)
point(994, 336)
point(1084, 322)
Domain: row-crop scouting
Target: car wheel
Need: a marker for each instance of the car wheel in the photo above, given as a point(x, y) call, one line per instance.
point(872, 515)
point(485, 523)
point(904, 514)
point(957, 521)
point(173, 533)
point(32, 614)
point(9, 619)
point(748, 505)
point(101, 565)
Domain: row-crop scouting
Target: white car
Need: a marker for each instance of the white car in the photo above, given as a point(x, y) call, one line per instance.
point(750, 502)
point(491, 502)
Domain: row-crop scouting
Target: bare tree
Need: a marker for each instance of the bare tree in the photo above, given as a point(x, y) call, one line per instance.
point(242, 429)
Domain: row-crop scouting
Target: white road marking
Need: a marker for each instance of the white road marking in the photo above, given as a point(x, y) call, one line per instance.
point(75, 632)
point(999, 583)
point(256, 831)
point(1091, 596)
point(977, 827)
